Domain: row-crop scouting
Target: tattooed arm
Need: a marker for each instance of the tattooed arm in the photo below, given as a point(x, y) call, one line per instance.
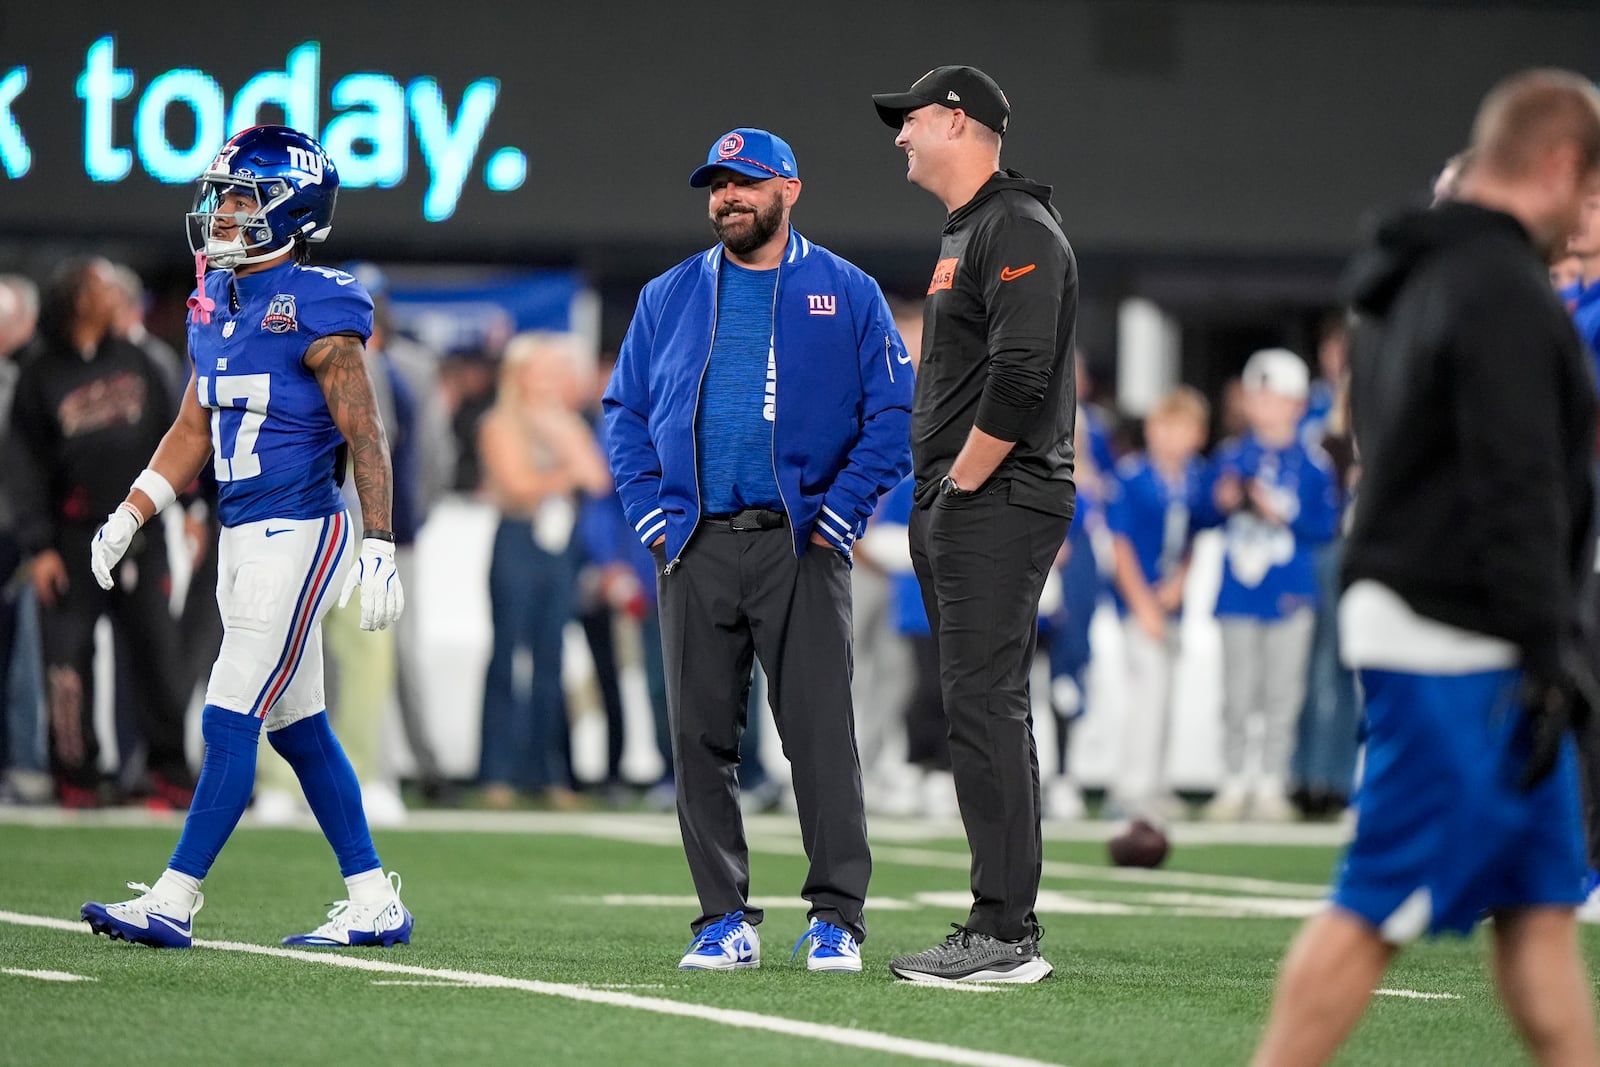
point(338, 364)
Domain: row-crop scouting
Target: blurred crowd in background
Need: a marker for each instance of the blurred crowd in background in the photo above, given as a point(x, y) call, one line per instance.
point(516, 428)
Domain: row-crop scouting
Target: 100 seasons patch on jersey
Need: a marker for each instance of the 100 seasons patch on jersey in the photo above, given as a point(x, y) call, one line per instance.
point(280, 315)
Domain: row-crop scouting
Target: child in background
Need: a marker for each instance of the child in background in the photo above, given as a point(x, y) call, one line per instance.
point(1276, 501)
point(1149, 515)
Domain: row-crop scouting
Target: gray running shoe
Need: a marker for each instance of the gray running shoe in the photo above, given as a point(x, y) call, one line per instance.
point(968, 956)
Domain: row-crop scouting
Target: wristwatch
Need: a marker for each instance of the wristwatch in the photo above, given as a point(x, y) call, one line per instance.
point(948, 487)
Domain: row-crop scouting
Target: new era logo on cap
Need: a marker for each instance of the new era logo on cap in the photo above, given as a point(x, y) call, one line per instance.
point(748, 151)
point(967, 88)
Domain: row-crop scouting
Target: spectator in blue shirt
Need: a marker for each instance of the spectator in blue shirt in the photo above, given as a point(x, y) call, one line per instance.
point(1275, 500)
point(1149, 515)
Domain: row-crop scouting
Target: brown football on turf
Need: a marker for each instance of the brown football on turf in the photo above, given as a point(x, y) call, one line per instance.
point(1140, 845)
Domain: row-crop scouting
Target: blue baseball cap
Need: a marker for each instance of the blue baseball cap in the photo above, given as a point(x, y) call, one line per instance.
point(753, 153)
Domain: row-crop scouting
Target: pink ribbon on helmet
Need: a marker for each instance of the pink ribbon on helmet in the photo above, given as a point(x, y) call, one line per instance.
point(200, 305)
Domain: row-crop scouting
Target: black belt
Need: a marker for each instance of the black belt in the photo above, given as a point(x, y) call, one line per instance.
point(748, 519)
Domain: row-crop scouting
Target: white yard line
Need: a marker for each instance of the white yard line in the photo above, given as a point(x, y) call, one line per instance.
point(744, 1020)
point(457, 985)
point(48, 976)
point(954, 987)
point(1412, 994)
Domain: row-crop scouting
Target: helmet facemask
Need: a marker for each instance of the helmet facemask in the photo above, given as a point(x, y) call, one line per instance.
point(252, 240)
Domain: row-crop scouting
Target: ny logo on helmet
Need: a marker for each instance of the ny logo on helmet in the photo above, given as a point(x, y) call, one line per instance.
point(307, 163)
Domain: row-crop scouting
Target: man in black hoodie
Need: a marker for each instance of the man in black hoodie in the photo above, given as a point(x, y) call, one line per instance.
point(1473, 410)
point(991, 445)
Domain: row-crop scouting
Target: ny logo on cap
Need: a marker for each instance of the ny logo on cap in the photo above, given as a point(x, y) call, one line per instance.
point(730, 145)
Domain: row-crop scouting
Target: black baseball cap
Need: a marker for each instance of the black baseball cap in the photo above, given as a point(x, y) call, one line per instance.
point(967, 88)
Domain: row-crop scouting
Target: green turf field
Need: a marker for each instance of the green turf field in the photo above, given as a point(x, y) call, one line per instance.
point(551, 939)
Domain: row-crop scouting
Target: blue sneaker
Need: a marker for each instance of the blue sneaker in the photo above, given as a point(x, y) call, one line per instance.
point(145, 920)
point(728, 944)
point(374, 924)
point(833, 948)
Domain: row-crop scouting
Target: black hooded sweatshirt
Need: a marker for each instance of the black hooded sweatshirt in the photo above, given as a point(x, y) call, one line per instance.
point(1474, 416)
point(997, 341)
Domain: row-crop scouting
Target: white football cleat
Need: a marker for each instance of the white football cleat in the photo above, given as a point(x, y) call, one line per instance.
point(382, 923)
point(146, 919)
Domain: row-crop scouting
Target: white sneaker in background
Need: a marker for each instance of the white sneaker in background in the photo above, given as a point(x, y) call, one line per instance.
point(896, 791)
point(383, 805)
point(1064, 800)
point(1271, 804)
point(1229, 804)
point(275, 807)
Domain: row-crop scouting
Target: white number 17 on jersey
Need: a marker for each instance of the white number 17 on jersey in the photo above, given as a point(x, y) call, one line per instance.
point(253, 390)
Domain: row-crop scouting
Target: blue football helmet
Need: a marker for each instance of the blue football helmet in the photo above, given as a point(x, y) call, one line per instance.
point(289, 178)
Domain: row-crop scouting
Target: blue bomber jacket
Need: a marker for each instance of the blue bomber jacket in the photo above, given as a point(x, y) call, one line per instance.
point(841, 427)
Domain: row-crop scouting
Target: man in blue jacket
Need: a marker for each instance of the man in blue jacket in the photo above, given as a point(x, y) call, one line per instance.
point(760, 404)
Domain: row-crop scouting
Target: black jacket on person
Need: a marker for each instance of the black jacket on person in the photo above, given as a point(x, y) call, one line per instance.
point(82, 430)
point(997, 341)
point(1474, 416)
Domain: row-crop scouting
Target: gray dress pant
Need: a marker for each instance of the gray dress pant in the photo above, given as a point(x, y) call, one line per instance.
point(735, 594)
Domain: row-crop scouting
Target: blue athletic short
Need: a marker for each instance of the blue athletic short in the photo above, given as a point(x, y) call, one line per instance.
point(1444, 833)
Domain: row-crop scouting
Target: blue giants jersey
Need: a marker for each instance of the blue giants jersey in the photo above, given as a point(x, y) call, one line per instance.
point(271, 434)
point(1154, 515)
point(1267, 569)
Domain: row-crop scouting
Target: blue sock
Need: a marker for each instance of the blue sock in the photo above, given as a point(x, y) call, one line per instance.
point(226, 778)
point(331, 789)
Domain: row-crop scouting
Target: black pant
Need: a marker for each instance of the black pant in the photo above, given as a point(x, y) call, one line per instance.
point(927, 729)
point(10, 605)
point(736, 594)
point(142, 614)
point(981, 562)
point(598, 622)
point(1588, 737)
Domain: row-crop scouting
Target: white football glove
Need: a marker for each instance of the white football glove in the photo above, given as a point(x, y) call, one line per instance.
point(110, 542)
point(382, 599)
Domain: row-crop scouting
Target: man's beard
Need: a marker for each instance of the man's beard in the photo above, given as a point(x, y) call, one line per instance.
point(763, 225)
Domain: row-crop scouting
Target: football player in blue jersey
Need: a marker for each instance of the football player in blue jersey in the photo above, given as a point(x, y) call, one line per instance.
point(277, 390)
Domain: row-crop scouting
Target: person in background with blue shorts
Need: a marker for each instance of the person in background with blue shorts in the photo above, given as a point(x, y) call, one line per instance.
point(1471, 541)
